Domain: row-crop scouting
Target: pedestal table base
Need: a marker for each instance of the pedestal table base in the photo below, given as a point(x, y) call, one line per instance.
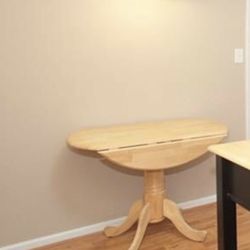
point(154, 208)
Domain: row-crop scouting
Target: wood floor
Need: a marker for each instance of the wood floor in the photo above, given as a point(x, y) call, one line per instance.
point(163, 236)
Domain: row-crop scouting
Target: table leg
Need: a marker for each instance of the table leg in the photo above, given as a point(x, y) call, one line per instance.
point(172, 212)
point(133, 216)
point(142, 226)
point(226, 208)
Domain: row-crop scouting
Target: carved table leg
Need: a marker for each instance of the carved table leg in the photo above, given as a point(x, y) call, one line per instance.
point(142, 226)
point(133, 216)
point(172, 212)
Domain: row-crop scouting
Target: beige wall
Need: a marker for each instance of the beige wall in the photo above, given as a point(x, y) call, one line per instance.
point(66, 64)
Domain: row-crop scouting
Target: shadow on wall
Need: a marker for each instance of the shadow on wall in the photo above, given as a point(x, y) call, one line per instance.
point(78, 180)
point(196, 162)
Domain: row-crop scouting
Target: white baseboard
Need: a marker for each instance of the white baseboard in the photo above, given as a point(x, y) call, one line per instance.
point(197, 202)
point(54, 238)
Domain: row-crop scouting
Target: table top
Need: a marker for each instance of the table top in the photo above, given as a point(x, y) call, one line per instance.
point(237, 152)
point(141, 134)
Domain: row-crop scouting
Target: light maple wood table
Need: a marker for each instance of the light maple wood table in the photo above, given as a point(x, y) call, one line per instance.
point(152, 147)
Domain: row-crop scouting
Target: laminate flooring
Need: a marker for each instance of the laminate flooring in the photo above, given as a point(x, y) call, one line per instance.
point(164, 236)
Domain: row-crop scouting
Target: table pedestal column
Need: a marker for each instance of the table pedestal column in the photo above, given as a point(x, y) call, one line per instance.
point(154, 207)
point(154, 194)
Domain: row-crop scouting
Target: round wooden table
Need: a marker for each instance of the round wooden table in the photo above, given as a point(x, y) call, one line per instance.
point(152, 147)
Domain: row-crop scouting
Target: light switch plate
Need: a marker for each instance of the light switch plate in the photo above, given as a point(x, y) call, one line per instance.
point(238, 55)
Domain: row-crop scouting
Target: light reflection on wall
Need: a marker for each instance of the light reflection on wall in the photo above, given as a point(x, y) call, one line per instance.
point(138, 22)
